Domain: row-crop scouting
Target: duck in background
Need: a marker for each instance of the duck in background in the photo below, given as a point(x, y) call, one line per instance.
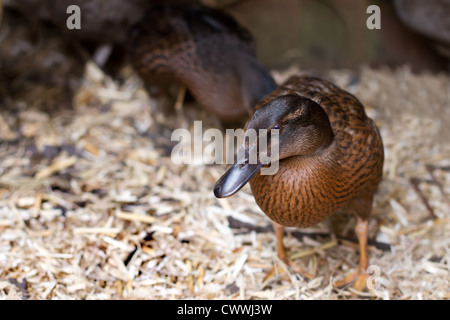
point(206, 51)
point(330, 159)
point(105, 24)
point(429, 18)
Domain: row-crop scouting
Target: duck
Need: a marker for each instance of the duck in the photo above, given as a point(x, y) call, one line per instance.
point(429, 18)
point(205, 50)
point(330, 159)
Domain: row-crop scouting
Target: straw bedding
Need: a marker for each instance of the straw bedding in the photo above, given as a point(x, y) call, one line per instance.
point(92, 207)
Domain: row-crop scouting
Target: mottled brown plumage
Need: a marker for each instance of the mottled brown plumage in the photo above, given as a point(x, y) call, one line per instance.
point(330, 159)
point(205, 50)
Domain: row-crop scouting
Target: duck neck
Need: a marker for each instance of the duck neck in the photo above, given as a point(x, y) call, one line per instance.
point(327, 136)
point(315, 143)
point(302, 185)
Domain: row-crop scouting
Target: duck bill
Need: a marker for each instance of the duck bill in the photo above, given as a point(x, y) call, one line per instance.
point(249, 163)
point(235, 178)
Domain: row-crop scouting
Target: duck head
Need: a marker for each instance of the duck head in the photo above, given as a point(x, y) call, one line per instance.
point(302, 128)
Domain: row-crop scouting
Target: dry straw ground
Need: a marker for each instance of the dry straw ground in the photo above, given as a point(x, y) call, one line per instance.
point(91, 206)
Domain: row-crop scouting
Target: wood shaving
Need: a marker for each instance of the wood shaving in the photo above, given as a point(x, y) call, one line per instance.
point(92, 207)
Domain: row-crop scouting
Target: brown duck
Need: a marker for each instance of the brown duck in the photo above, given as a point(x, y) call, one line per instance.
point(330, 158)
point(206, 51)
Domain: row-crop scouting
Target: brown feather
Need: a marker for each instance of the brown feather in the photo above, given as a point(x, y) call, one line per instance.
point(346, 173)
point(205, 50)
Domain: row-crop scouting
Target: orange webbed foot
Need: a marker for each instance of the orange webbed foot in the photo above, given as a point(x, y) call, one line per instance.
point(279, 231)
point(358, 278)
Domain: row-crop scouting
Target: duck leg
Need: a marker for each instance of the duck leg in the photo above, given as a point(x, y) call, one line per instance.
point(179, 105)
point(359, 277)
point(281, 252)
point(180, 100)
